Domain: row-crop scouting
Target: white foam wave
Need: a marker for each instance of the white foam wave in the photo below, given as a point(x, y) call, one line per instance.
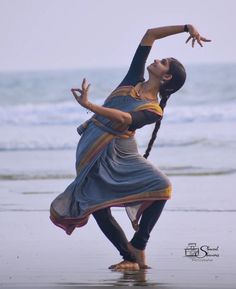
point(199, 113)
point(68, 113)
point(70, 142)
point(42, 114)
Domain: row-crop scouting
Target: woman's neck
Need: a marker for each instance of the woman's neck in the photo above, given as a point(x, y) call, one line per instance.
point(149, 89)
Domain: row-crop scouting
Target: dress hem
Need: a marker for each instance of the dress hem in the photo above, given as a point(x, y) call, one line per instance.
point(70, 223)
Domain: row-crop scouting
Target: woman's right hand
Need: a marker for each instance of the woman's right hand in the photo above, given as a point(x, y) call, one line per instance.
point(83, 97)
point(195, 36)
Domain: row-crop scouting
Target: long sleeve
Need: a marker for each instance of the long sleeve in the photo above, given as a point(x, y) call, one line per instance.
point(141, 118)
point(135, 73)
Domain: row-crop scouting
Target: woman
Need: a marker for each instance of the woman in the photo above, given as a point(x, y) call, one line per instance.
point(110, 171)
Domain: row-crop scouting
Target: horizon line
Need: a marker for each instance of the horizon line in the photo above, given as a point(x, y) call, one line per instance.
point(51, 69)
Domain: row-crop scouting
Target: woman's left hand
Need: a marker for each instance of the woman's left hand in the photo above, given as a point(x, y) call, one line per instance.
point(83, 97)
point(195, 36)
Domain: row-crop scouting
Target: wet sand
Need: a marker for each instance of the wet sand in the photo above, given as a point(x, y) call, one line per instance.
point(34, 253)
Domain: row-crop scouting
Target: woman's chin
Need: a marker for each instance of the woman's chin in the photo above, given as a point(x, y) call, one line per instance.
point(152, 72)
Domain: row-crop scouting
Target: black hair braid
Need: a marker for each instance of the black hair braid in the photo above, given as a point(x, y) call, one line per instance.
point(178, 73)
point(157, 126)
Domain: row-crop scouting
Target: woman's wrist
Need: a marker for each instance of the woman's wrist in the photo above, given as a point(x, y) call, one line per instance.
point(86, 104)
point(186, 29)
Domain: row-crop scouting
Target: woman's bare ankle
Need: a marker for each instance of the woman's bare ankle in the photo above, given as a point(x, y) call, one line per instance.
point(139, 255)
point(133, 250)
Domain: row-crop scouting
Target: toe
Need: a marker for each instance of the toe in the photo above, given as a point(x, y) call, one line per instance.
point(125, 265)
point(128, 266)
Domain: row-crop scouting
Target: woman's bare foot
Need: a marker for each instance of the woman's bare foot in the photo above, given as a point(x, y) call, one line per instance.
point(139, 256)
point(125, 265)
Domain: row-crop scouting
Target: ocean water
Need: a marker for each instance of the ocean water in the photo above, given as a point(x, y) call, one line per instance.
point(39, 117)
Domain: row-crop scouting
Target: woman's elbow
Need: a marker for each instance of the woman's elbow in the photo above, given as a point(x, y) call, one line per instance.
point(124, 119)
point(148, 38)
point(148, 32)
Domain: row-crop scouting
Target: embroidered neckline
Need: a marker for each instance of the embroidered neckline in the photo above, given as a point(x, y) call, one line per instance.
point(133, 92)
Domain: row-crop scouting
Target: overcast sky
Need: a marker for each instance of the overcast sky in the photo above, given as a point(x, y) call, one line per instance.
point(58, 34)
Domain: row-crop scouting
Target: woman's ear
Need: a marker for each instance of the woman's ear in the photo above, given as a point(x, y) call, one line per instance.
point(167, 77)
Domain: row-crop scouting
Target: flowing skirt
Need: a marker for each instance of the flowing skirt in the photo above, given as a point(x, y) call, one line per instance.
point(119, 177)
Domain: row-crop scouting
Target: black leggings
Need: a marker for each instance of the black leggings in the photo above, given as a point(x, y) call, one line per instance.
point(116, 235)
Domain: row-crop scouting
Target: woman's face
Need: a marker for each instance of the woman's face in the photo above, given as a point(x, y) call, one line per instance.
point(159, 68)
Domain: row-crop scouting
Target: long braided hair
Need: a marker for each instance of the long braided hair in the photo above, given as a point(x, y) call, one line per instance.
point(178, 73)
point(156, 128)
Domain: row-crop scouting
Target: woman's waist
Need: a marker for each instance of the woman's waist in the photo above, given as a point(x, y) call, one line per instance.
point(116, 129)
point(126, 145)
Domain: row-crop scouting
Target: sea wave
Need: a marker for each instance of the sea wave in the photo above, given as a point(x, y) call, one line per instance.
point(36, 146)
point(43, 114)
point(170, 171)
point(59, 144)
point(68, 113)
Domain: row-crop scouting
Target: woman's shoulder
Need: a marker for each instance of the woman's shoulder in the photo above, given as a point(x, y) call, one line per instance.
point(124, 90)
point(141, 118)
point(151, 106)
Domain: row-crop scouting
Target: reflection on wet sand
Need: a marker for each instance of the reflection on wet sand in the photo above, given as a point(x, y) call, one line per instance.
point(132, 278)
point(125, 278)
point(136, 278)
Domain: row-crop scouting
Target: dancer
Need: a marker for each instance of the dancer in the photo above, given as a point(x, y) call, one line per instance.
point(110, 170)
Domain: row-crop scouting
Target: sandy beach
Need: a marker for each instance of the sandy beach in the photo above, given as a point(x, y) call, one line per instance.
point(34, 253)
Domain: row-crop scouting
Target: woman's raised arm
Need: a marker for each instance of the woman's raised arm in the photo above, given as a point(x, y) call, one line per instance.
point(157, 33)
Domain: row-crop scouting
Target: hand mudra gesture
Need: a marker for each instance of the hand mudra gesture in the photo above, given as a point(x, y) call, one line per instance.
point(81, 94)
point(195, 36)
